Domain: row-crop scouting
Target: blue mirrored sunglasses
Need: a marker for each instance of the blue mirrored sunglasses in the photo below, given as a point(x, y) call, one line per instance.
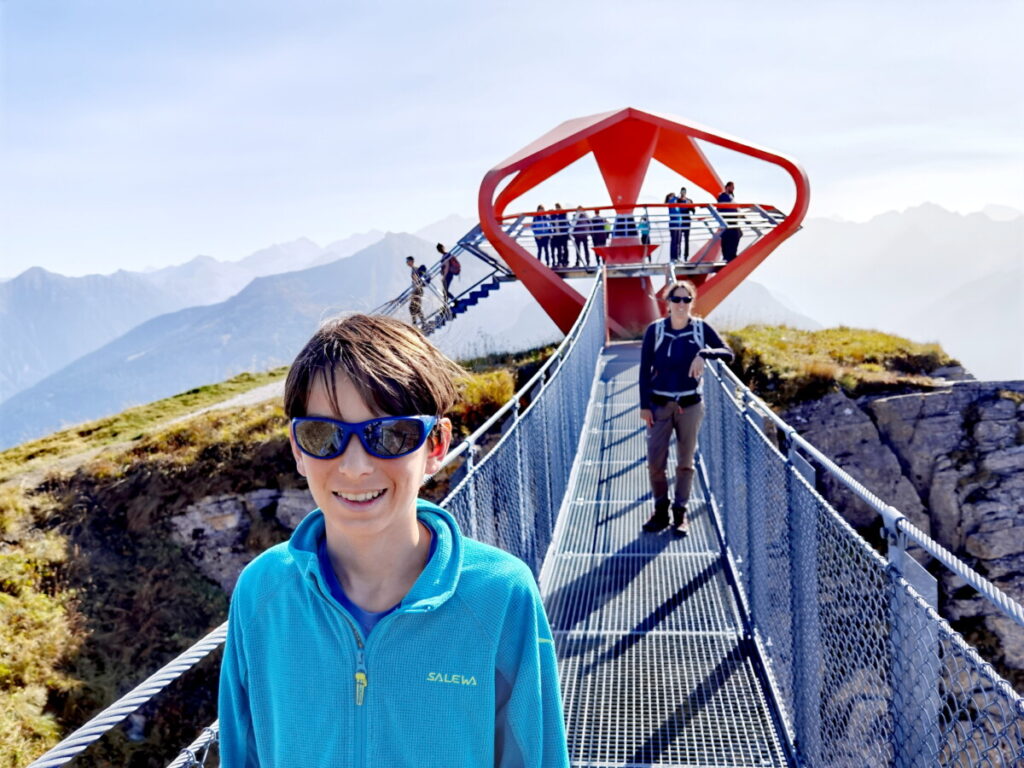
point(388, 437)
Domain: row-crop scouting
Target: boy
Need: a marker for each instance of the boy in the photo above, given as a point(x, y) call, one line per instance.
point(378, 635)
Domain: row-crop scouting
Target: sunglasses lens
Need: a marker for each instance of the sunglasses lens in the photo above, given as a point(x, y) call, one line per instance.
point(393, 438)
point(319, 438)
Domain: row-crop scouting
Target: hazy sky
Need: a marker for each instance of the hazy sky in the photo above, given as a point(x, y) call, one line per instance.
point(141, 134)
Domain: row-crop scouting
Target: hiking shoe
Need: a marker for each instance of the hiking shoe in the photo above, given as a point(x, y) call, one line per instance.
point(680, 525)
point(659, 519)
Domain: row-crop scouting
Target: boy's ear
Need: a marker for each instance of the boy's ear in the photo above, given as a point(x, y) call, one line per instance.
point(438, 445)
point(299, 456)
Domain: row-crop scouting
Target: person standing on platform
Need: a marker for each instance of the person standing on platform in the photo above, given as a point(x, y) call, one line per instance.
point(580, 233)
point(644, 227)
point(731, 236)
point(542, 235)
point(671, 364)
point(598, 233)
point(560, 235)
point(686, 219)
point(675, 227)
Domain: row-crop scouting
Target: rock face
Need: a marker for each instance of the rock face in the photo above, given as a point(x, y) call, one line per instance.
point(218, 532)
point(952, 461)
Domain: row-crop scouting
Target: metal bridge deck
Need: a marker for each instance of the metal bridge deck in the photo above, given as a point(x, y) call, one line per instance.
point(654, 666)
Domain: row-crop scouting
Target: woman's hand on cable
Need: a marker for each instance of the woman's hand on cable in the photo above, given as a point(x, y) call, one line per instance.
point(697, 367)
point(647, 417)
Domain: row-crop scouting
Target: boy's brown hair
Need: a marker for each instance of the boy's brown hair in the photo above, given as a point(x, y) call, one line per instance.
point(396, 370)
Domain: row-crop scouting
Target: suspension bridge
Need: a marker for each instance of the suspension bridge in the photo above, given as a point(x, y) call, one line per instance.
point(771, 635)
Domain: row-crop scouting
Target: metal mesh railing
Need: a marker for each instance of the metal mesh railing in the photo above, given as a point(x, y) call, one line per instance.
point(866, 673)
point(511, 498)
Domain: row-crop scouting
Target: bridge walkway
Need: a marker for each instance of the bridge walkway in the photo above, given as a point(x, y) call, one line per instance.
point(655, 667)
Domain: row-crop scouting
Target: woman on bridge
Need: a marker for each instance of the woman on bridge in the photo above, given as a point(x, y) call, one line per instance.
point(671, 364)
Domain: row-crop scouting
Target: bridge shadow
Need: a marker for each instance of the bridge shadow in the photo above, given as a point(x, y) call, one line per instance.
point(625, 389)
point(621, 471)
point(633, 414)
point(572, 604)
point(658, 742)
point(625, 438)
point(659, 614)
point(623, 510)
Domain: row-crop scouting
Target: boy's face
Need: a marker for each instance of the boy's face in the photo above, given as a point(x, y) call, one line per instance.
point(337, 484)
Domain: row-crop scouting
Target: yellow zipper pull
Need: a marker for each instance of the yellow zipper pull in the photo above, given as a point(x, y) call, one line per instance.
point(360, 688)
point(360, 677)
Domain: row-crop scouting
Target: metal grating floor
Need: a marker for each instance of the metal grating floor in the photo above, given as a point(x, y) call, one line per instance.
point(654, 667)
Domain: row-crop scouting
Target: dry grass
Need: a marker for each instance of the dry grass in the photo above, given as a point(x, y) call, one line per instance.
point(484, 394)
point(37, 636)
point(786, 365)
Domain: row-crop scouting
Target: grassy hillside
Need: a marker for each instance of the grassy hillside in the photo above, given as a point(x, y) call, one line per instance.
point(786, 365)
point(95, 595)
point(131, 424)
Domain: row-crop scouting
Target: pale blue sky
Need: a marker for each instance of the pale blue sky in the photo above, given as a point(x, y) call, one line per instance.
point(141, 134)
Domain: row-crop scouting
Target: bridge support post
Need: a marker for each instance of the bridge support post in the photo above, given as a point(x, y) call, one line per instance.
point(807, 662)
point(916, 667)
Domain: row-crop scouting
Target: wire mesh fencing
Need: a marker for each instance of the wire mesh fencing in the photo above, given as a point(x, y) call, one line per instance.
point(512, 496)
point(864, 671)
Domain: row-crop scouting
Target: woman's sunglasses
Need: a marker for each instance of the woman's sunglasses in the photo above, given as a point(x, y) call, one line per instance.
point(386, 438)
point(680, 299)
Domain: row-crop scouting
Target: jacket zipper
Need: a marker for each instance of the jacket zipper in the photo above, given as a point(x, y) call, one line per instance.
point(360, 677)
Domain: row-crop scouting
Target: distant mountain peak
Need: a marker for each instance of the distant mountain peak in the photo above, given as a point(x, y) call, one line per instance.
point(1001, 212)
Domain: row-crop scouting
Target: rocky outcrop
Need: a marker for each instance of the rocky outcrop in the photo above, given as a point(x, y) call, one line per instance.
point(221, 534)
point(839, 428)
point(952, 460)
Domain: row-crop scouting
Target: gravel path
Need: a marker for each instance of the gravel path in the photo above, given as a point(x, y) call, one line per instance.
point(32, 478)
point(267, 392)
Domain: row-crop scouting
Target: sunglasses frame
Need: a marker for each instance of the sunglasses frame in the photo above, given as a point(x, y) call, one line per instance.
point(350, 428)
point(679, 299)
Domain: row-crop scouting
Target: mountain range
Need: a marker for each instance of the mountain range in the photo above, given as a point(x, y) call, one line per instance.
point(79, 348)
point(925, 273)
point(262, 326)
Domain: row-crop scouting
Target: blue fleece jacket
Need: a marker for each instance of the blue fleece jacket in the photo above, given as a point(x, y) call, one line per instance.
point(462, 673)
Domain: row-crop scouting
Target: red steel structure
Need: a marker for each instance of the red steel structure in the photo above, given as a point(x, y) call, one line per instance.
point(623, 143)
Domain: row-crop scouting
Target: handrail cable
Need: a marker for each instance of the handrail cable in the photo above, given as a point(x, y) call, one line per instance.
point(896, 523)
point(76, 743)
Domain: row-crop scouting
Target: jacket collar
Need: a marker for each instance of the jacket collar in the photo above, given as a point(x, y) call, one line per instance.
point(434, 586)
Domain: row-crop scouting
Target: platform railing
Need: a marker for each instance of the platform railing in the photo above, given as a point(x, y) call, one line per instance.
point(864, 670)
point(702, 224)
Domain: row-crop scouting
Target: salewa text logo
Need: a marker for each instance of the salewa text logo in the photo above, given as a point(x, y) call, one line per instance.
point(438, 677)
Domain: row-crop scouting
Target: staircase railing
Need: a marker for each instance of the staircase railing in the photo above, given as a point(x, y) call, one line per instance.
point(447, 306)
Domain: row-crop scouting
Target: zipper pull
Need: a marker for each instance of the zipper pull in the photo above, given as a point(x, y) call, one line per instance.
point(360, 681)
